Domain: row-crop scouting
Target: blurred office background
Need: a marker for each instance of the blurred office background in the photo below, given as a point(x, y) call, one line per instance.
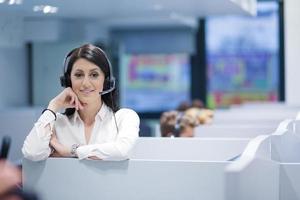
point(163, 52)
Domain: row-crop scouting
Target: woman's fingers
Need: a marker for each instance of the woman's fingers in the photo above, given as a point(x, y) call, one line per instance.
point(72, 102)
point(70, 99)
point(80, 105)
point(76, 102)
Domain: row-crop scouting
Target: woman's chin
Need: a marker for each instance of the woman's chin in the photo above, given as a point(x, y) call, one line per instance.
point(84, 100)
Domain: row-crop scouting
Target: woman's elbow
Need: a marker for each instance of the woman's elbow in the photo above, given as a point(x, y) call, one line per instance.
point(34, 156)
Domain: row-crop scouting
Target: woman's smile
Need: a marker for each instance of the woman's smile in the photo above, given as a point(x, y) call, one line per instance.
point(87, 91)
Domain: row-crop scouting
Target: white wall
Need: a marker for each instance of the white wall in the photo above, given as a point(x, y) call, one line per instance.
point(16, 31)
point(11, 31)
point(13, 63)
point(13, 76)
point(39, 30)
point(292, 51)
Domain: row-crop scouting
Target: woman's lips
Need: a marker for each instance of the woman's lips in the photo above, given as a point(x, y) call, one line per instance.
point(86, 92)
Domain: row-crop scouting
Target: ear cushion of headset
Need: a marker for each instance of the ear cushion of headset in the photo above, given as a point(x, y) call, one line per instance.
point(62, 81)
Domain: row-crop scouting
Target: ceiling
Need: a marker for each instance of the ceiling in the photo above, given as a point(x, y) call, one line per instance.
point(124, 11)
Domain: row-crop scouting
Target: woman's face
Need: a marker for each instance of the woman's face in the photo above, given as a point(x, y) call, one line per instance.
point(87, 81)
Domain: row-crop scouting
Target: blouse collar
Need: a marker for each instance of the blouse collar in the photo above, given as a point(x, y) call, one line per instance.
point(101, 114)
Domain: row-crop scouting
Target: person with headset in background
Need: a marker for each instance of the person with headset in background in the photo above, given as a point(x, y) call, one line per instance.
point(91, 127)
point(177, 124)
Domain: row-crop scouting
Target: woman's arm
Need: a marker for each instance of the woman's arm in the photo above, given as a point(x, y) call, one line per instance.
point(59, 150)
point(36, 145)
point(116, 150)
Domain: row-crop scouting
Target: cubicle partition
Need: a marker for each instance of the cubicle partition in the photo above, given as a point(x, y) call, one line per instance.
point(203, 149)
point(234, 130)
point(246, 121)
point(159, 168)
point(268, 168)
point(286, 151)
point(233, 162)
point(254, 175)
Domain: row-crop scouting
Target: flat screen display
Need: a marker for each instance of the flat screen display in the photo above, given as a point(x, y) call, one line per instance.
point(242, 57)
point(154, 82)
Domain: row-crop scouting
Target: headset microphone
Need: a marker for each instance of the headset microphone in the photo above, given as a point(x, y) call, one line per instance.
point(112, 85)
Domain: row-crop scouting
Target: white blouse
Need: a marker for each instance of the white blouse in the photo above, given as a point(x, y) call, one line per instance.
point(107, 141)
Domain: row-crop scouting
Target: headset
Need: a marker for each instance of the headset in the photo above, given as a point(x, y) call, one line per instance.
point(177, 124)
point(109, 82)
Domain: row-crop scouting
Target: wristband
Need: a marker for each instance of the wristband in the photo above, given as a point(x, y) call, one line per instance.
point(50, 111)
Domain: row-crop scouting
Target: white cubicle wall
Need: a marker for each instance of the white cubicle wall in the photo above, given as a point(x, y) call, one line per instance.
point(233, 130)
point(204, 149)
point(160, 169)
point(268, 168)
point(254, 175)
point(246, 121)
point(286, 151)
point(180, 168)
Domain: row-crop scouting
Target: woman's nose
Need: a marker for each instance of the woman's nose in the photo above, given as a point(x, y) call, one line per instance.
point(86, 81)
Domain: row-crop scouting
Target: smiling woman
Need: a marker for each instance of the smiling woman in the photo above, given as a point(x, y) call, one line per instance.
point(91, 126)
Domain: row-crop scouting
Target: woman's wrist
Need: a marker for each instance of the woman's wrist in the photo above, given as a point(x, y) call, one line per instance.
point(73, 150)
point(61, 149)
point(52, 106)
point(54, 114)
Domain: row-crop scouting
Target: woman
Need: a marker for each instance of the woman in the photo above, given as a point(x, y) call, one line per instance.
point(91, 127)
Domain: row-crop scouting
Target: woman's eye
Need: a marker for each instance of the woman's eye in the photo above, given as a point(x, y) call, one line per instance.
point(78, 75)
point(94, 75)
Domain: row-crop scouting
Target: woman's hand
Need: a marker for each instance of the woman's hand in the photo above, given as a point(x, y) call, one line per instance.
point(66, 99)
point(60, 150)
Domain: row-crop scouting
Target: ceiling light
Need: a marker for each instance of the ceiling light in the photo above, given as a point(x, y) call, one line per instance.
point(2, 1)
point(17, 2)
point(46, 9)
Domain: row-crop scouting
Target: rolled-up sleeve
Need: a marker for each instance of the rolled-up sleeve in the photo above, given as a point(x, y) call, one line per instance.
point(36, 145)
point(128, 125)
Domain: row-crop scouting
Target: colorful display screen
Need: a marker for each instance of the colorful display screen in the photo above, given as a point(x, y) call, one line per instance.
point(154, 82)
point(242, 57)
